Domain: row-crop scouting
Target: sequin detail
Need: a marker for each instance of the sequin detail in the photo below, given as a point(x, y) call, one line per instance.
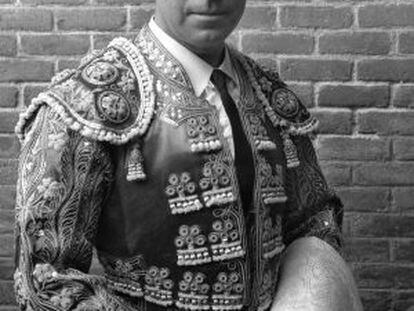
point(228, 291)
point(285, 102)
point(193, 292)
point(191, 246)
point(290, 151)
point(113, 107)
point(272, 237)
point(158, 286)
point(135, 163)
point(261, 139)
point(100, 73)
point(216, 183)
point(202, 134)
point(272, 189)
point(225, 237)
point(182, 193)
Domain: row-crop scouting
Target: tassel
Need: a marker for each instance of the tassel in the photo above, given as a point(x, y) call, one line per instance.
point(135, 163)
point(291, 152)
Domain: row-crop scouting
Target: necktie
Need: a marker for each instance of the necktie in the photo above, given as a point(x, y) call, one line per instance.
point(243, 153)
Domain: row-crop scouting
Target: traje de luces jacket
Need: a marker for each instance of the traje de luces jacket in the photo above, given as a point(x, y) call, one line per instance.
point(120, 155)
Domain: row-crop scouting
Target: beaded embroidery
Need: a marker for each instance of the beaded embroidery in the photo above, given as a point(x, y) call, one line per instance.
point(135, 163)
point(182, 194)
point(272, 189)
point(193, 292)
point(202, 134)
point(191, 246)
point(228, 291)
point(158, 286)
point(290, 150)
point(261, 139)
point(272, 237)
point(217, 183)
point(100, 73)
point(225, 237)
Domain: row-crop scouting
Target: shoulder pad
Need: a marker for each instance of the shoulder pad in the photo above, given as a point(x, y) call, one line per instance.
point(282, 106)
point(109, 97)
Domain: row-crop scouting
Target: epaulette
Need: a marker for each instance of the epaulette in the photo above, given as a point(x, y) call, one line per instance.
point(109, 97)
point(282, 106)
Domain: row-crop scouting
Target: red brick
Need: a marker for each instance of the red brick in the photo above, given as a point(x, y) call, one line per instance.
point(381, 225)
point(8, 46)
point(394, 70)
point(353, 95)
point(404, 251)
point(333, 121)
point(370, 43)
point(404, 301)
point(407, 42)
point(30, 92)
point(367, 250)
point(404, 199)
point(21, 70)
point(7, 296)
point(336, 174)
point(376, 300)
point(99, 19)
point(304, 91)
point(369, 199)
point(386, 15)
point(7, 197)
point(353, 148)
point(55, 44)
point(6, 269)
point(8, 173)
point(8, 120)
point(258, 18)
point(101, 41)
point(316, 17)
point(6, 221)
point(277, 43)
point(57, 2)
point(316, 69)
point(8, 98)
point(139, 17)
point(403, 96)
point(6, 245)
point(404, 148)
point(9, 147)
point(30, 19)
point(384, 174)
point(386, 122)
point(124, 2)
point(384, 276)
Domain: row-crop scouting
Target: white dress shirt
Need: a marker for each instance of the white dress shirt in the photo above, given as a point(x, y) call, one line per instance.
point(199, 73)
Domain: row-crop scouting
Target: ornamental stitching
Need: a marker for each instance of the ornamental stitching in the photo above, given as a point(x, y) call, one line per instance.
point(158, 286)
point(191, 246)
point(181, 191)
point(193, 292)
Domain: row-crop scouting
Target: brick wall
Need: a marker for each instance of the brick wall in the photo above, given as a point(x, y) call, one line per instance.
point(351, 62)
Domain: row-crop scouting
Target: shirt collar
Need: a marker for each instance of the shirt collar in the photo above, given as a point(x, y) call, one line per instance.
point(197, 69)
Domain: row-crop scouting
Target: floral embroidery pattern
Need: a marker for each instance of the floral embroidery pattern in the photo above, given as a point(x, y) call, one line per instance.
point(158, 287)
point(261, 139)
point(228, 291)
point(193, 292)
point(225, 237)
point(191, 246)
point(216, 183)
point(272, 189)
point(182, 193)
point(202, 134)
point(272, 237)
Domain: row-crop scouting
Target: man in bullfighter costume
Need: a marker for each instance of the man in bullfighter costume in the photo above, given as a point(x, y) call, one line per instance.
point(188, 167)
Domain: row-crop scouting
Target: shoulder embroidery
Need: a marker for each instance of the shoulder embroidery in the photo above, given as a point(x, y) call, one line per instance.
point(110, 97)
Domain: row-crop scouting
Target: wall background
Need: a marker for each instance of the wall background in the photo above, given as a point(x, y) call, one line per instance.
point(351, 62)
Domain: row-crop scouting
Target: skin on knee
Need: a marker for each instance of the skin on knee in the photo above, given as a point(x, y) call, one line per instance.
point(314, 277)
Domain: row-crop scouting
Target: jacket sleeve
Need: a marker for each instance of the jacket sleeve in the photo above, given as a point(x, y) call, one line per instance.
point(313, 209)
point(63, 179)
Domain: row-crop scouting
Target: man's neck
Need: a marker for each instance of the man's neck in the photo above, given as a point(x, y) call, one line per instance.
point(213, 55)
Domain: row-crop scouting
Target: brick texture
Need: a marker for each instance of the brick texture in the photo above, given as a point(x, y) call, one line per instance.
point(351, 62)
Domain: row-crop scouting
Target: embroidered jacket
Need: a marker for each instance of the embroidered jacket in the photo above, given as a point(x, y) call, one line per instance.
point(120, 155)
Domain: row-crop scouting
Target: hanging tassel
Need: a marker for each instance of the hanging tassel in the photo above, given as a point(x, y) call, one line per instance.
point(291, 152)
point(135, 163)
